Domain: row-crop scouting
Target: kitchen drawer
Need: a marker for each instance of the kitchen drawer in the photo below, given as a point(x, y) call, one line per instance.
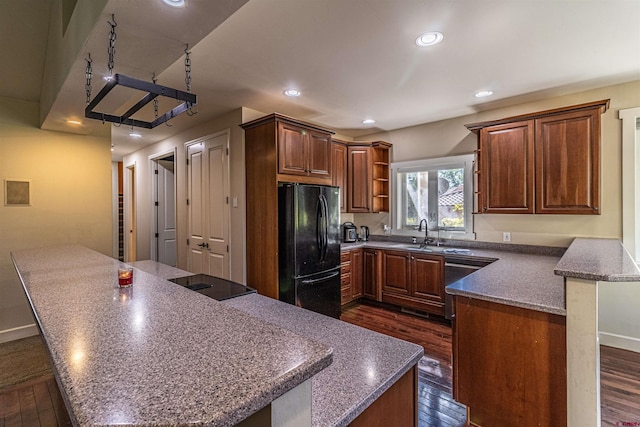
point(345, 267)
point(345, 295)
point(345, 280)
point(345, 256)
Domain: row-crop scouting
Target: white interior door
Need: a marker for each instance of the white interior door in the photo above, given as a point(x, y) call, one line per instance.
point(208, 193)
point(165, 208)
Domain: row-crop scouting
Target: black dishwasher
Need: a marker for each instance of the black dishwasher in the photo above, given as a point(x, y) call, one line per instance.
point(454, 270)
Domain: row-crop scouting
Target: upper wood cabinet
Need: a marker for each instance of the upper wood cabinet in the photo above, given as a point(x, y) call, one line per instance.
point(568, 163)
point(303, 152)
point(339, 170)
point(507, 168)
point(544, 163)
point(359, 183)
point(368, 184)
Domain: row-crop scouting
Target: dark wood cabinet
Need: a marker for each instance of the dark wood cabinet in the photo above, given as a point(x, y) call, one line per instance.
point(368, 184)
point(303, 152)
point(396, 272)
point(545, 163)
point(339, 170)
point(413, 280)
point(356, 273)
point(381, 158)
point(520, 353)
point(371, 274)
point(351, 270)
point(359, 183)
point(507, 168)
point(568, 163)
point(277, 148)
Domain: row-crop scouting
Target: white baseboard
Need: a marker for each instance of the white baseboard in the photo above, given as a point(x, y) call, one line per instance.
point(18, 333)
point(620, 341)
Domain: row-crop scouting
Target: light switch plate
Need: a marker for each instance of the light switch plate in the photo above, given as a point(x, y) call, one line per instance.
point(506, 236)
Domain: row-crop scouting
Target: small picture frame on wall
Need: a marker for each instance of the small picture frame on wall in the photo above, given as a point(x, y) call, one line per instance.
point(17, 192)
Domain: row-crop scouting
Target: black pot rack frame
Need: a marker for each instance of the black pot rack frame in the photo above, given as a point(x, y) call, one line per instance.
point(153, 90)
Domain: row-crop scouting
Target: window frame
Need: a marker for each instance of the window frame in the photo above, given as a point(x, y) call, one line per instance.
point(631, 181)
point(398, 197)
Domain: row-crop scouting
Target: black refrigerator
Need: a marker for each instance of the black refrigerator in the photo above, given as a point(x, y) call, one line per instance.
point(309, 247)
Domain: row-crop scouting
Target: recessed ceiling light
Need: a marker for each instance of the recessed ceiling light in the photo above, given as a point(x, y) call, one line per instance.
point(483, 93)
point(74, 122)
point(429, 39)
point(292, 92)
point(135, 135)
point(368, 121)
point(174, 3)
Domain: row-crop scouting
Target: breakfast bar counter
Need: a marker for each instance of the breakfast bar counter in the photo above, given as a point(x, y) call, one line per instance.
point(160, 354)
point(155, 353)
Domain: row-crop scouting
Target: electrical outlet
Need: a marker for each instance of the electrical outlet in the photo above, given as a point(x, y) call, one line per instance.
point(506, 236)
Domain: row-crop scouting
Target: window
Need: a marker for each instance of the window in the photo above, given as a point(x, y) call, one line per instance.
point(438, 190)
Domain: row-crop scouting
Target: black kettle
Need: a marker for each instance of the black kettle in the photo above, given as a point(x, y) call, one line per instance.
point(349, 232)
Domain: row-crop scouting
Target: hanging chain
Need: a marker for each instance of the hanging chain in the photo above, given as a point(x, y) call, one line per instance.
point(87, 74)
point(112, 44)
point(187, 68)
point(155, 100)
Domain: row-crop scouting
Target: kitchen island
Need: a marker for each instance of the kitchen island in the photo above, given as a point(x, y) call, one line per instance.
point(160, 354)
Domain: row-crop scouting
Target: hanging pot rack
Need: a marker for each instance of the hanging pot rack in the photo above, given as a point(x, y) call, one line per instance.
point(153, 91)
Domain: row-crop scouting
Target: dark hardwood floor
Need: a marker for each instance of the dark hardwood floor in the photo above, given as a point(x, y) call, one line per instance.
point(38, 403)
point(436, 407)
point(619, 369)
point(34, 403)
point(619, 387)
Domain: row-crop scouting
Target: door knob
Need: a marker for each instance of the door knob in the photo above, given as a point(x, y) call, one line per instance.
point(203, 245)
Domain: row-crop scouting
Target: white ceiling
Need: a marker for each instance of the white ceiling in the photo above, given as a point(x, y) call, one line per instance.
point(351, 59)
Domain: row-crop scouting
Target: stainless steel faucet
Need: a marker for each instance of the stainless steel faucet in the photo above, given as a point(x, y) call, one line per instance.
point(426, 232)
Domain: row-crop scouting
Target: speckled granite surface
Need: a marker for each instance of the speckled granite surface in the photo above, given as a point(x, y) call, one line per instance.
point(156, 353)
point(365, 363)
point(160, 270)
point(520, 280)
point(598, 259)
point(525, 280)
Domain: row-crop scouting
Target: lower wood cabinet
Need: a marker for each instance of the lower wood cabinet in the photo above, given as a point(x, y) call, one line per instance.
point(398, 406)
point(509, 364)
point(351, 275)
point(371, 274)
point(413, 280)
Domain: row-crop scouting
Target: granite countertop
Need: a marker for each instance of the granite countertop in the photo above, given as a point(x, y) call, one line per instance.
point(598, 259)
point(521, 277)
point(526, 276)
point(365, 363)
point(155, 353)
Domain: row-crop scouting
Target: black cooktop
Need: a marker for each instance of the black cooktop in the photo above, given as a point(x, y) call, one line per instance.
point(213, 287)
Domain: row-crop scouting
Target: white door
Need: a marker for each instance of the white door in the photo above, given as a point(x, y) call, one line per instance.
point(165, 209)
point(208, 206)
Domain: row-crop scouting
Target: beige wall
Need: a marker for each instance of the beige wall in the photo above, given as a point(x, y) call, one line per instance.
point(141, 160)
point(70, 200)
point(62, 50)
point(450, 137)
